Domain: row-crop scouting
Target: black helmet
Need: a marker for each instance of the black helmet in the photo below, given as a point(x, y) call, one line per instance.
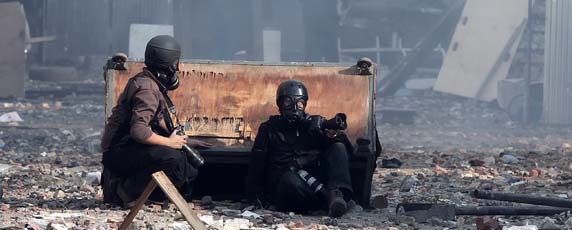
point(291, 98)
point(162, 56)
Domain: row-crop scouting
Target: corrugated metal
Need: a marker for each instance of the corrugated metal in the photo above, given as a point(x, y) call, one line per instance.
point(81, 27)
point(558, 58)
point(101, 27)
point(127, 12)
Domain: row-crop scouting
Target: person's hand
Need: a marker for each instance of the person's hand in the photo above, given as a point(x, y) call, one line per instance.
point(330, 133)
point(176, 141)
point(198, 144)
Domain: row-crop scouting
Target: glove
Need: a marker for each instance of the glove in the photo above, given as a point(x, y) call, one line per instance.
point(198, 144)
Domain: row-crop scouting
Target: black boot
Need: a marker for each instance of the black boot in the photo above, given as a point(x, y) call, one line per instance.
point(126, 199)
point(336, 203)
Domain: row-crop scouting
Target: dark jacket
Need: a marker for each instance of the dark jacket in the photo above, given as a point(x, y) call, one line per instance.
point(138, 113)
point(279, 145)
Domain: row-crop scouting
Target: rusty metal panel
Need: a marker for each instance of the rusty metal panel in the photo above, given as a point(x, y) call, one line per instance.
point(12, 45)
point(558, 56)
point(228, 101)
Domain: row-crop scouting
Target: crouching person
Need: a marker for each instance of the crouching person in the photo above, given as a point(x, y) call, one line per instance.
point(300, 161)
point(139, 138)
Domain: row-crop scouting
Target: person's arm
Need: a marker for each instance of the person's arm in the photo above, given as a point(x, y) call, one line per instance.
point(145, 105)
point(257, 166)
point(174, 141)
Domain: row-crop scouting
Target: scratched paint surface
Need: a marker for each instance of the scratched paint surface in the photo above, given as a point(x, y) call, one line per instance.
point(228, 102)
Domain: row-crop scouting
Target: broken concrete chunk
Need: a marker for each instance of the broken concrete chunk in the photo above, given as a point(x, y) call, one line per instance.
point(380, 202)
point(407, 184)
point(509, 159)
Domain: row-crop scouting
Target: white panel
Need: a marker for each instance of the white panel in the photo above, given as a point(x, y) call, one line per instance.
point(272, 45)
point(482, 48)
point(140, 34)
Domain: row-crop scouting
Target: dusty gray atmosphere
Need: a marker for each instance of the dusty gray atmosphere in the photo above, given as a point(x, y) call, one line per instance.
point(452, 136)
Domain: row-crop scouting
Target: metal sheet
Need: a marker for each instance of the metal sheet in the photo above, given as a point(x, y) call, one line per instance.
point(12, 44)
point(481, 52)
point(229, 101)
point(558, 56)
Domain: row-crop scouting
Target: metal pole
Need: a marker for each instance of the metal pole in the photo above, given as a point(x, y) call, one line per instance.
point(526, 106)
point(523, 198)
point(377, 50)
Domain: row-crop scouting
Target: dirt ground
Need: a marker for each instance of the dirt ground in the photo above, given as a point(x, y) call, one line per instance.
point(49, 165)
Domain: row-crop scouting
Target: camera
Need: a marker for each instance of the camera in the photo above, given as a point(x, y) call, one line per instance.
point(338, 122)
point(193, 155)
point(363, 65)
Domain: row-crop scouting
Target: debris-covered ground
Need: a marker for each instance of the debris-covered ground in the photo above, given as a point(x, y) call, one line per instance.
point(49, 164)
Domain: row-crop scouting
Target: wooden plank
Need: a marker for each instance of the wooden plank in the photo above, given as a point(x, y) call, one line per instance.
point(140, 201)
point(180, 202)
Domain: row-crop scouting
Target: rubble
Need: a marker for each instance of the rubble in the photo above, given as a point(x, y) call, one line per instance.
point(48, 167)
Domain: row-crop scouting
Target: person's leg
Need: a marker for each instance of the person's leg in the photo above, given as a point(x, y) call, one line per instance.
point(336, 169)
point(336, 172)
point(137, 162)
point(294, 194)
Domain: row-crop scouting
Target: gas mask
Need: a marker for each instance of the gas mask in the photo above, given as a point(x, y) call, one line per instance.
point(162, 55)
point(292, 107)
point(291, 99)
point(168, 77)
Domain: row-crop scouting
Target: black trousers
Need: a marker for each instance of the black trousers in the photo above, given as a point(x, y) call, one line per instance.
point(135, 162)
point(292, 193)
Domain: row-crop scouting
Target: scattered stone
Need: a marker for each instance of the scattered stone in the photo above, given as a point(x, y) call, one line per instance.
point(476, 162)
point(353, 207)
point(489, 161)
point(249, 214)
point(230, 212)
point(4, 207)
point(534, 173)
point(407, 184)
point(508, 158)
point(329, 221)
point(206, 201)
point(526, 227)
point(441, 170)
point(486, 223)
point(380, 202)
point(391, 163)
point(268, 219)
point(93, 178)
point(59, 194)
point(400, 219)
point(568, 223)
point(549, 223)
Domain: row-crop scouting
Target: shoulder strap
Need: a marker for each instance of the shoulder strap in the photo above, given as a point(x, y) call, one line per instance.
point(170, 106)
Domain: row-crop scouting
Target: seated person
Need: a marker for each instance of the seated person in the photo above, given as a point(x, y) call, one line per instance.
point(297, 163)
point(139, 138)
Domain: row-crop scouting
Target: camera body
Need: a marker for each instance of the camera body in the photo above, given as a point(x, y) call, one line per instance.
point(193, 155)
point(338, 122)
point(318, 123)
